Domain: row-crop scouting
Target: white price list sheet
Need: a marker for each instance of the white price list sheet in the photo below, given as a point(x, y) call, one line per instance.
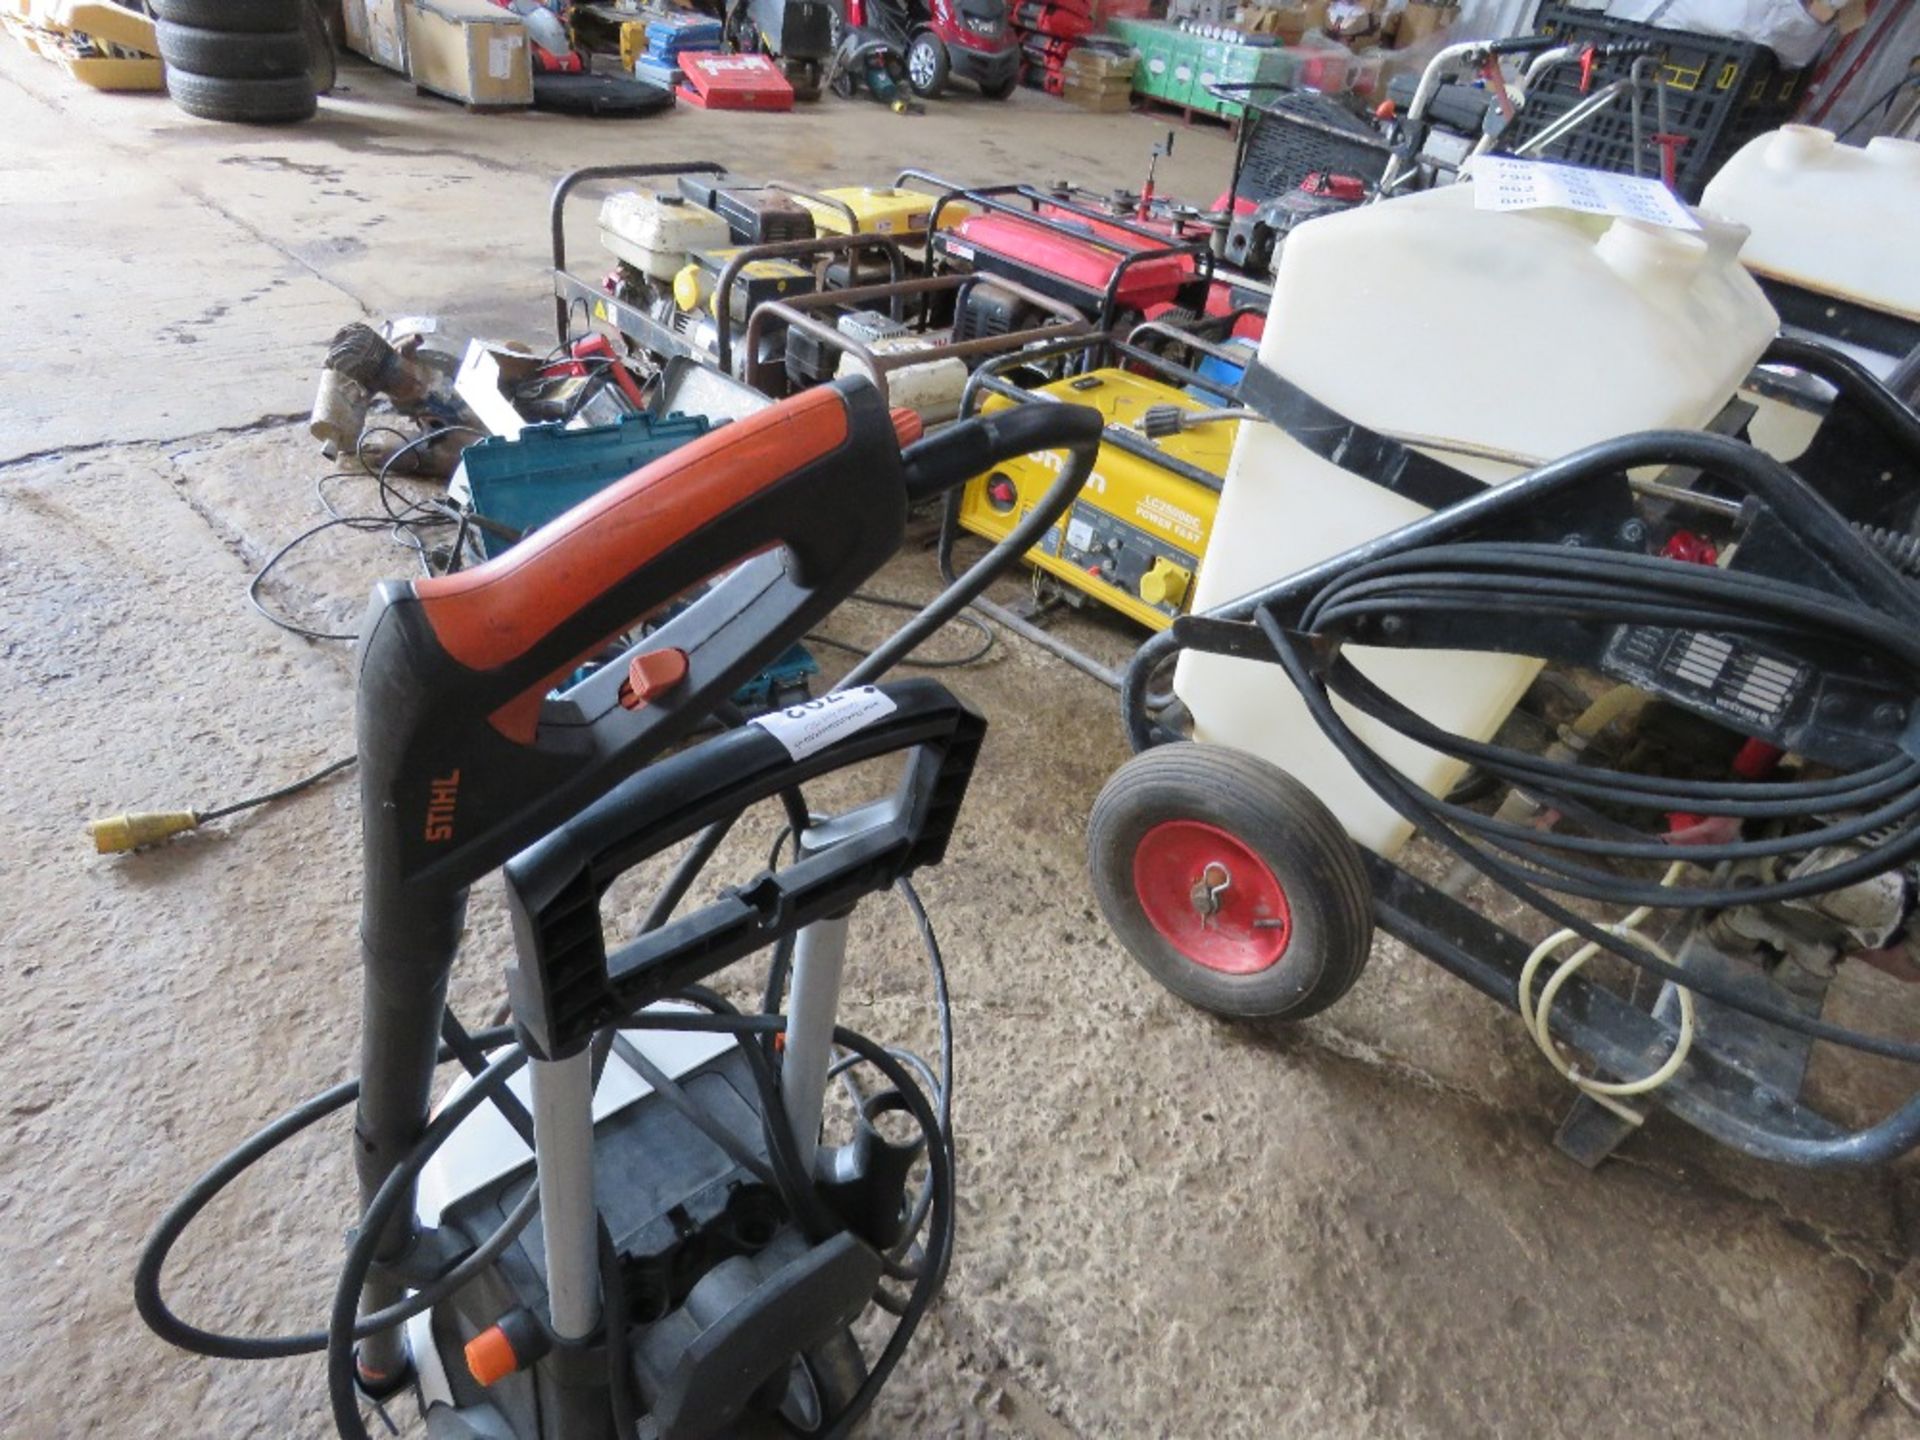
point(1501, 182)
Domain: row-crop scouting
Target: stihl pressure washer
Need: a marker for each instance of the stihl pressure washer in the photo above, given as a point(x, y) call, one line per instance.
point(623, 1220)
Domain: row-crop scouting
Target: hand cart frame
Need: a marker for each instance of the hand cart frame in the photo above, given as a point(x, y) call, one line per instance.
point(1740, 1081)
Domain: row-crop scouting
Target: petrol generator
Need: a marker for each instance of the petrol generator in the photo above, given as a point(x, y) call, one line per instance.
point(1134, 539)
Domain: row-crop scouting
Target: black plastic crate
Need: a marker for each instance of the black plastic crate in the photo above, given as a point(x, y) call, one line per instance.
point(1289, 135)
point(1720, 93)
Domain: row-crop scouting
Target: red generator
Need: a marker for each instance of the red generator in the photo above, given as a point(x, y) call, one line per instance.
point(1113, 269)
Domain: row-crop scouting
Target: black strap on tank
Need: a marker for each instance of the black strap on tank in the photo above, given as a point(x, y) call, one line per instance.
point(1351, 445)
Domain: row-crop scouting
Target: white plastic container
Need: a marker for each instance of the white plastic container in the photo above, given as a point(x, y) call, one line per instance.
point(1532, 333)
point(1842, 220)
point(655, 231)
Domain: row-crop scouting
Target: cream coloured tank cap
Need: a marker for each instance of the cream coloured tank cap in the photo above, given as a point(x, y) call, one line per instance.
point(1798, 145)
point(1641, 252)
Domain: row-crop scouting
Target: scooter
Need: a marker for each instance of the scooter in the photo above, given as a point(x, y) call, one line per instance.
point(944, 39)
point(624, 1218)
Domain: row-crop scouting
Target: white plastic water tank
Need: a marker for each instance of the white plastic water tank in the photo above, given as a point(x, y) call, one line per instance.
point(1842, 220)
point(1528, 332)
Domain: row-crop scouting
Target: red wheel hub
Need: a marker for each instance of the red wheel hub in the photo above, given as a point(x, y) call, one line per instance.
point(1212, 898)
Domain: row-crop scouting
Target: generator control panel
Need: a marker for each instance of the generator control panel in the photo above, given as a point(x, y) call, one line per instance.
point(1124, 556)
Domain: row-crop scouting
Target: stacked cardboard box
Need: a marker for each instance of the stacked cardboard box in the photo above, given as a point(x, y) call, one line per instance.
point(1286, 20)
point(1233, 62)
point(1419, 21)
point(1099, 80)
point(1155, 75)
point(1048, 32)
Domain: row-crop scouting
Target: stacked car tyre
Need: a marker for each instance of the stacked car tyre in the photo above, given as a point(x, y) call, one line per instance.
point(247, 61)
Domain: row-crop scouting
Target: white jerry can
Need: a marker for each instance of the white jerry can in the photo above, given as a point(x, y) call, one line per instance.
point(1530, 333)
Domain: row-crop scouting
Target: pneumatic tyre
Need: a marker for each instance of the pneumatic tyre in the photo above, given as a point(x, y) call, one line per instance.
point(322, 64)
point(1003, 89)
point(232, 54)
point(1230, 882)
point(253, 17)
point(824, 1383)
point(243, 102)
point(927, 65)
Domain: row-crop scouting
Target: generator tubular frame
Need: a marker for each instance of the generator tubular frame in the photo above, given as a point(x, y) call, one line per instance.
point(630, 320)
point(989, 379)
point(1067, 322)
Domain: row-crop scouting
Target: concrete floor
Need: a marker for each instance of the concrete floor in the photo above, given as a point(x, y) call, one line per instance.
point(1170, 1227)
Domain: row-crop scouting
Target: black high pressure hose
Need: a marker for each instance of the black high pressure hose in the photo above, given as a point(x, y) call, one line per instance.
point(342, 1390)
point(153, 1256)
point(1875, 809)
point(338, 1340)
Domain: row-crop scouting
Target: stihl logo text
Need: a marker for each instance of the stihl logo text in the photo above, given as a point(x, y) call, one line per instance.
point(440, 803)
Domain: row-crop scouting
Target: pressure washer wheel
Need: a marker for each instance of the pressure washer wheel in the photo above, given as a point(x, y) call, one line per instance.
point(820, 1386)
point(1230, 882)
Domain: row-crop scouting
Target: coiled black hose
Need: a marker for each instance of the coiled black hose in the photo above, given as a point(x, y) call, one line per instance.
point(1426, 568)
point(1873, 809)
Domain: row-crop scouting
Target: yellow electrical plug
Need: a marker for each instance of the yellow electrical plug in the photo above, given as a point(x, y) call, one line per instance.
point(117, 834)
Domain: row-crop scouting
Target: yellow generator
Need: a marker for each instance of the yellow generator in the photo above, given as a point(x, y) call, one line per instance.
point(871, 210)
point(1135, 537)
point(878, 210)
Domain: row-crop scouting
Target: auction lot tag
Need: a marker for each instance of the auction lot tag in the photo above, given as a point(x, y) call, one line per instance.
point(811, 727)
point(1501, 182)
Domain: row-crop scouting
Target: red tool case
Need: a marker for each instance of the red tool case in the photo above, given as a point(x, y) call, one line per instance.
point(734, 82)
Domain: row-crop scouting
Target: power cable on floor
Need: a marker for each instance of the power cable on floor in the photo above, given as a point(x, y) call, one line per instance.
point(888, 602)
point(407, 519)
point(117, 834)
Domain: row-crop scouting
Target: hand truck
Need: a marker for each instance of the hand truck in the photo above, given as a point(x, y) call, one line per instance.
point(1791, 829)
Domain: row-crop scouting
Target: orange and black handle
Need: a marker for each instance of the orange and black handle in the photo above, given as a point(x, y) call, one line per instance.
point(467, 753)
point(474, 743)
